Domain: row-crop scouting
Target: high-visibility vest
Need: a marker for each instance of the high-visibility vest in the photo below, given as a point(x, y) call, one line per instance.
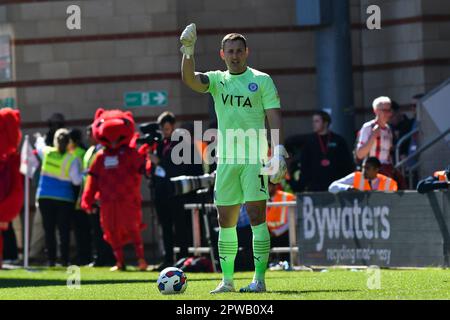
point(79, 153)
point(277, 217)
point(386, 183)
point(201, 149)
point(441, 176)
point(55, 182)
point(89, 157)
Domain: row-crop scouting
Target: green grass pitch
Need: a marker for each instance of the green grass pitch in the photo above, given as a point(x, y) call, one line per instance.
point(100, 283)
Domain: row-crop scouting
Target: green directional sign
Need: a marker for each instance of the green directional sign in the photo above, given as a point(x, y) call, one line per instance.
point(145, 99)
point(7, 102)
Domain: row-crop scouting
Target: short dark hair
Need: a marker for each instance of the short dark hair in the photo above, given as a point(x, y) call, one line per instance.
point(324, 115)
point(76, 136)
point(373, 162)
point(166, 117)
point(395, 106)
point(56, 121)
point(233, 37)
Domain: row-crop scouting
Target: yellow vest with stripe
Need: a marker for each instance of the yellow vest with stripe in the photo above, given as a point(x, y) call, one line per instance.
point(89, 157)
point(79, 153)
point(55, 182)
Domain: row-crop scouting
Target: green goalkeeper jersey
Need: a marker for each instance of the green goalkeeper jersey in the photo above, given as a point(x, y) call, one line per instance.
point(240, 101)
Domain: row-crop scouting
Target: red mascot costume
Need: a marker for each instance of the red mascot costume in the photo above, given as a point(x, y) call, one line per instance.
point(11, 180)
point(115, 180)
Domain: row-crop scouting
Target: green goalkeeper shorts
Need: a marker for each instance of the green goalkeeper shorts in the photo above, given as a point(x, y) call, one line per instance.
point(239, 183)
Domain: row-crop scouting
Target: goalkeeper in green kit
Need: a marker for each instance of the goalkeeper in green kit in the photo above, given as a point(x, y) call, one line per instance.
point(243, 98)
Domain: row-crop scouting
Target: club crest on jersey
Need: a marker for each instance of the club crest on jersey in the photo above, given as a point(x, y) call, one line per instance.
point(252, 87)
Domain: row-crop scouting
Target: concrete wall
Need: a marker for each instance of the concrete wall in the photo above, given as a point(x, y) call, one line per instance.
point(397, 44)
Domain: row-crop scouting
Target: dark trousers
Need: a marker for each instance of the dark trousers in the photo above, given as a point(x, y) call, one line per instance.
point(104, 253)
point(9, 243)
point(83, 237)
point(56, 214)
point(171, 214)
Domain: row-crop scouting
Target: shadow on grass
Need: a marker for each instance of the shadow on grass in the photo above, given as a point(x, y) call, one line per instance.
point(312, 291)
point(218, 278)
point(20, 283)
point(6, 283)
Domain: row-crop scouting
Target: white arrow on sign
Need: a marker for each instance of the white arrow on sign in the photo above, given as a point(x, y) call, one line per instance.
point(160, 98)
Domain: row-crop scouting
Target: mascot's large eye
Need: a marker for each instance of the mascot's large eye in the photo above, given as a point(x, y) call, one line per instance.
point(126, 121)
point(100, 122)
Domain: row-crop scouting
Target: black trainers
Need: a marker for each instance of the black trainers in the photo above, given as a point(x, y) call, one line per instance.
point(164, 265)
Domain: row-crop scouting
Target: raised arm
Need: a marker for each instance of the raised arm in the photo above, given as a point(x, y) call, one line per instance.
point(364, 146)
point(197, 81)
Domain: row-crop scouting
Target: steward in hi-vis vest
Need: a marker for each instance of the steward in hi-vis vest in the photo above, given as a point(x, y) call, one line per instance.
point(55, 182)
point(278, 217)
point(366, 180)
point(384, 183)
point(60, 172)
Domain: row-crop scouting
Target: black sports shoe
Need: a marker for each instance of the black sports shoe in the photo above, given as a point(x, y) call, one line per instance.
point(164, 265)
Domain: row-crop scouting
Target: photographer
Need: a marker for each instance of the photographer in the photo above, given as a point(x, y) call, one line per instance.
point(170, 208)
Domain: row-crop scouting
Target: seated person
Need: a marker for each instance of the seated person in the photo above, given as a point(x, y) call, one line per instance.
point(439, 180)
point(367, 180)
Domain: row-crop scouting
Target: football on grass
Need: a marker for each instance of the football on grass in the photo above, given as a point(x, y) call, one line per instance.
point(172, 281)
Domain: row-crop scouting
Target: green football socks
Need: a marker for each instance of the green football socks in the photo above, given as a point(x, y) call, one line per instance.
point(228, 247)
point(261, 250)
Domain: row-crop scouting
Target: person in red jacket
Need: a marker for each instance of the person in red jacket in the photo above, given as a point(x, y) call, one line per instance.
point(116, 175)
point(11, 180)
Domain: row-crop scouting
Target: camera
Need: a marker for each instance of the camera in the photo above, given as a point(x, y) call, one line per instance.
point(188, 184)
point(151, 134)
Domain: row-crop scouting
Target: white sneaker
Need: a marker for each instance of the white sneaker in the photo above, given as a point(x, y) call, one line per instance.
point(254, 286)
point(223, 287)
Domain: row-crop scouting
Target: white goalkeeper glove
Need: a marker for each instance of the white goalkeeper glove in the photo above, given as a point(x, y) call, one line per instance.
point(276, 167)
point(187, 39)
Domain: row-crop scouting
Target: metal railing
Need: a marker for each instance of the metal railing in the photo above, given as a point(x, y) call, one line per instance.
point(401, 141)
point(423, 148)
point(196, 230)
